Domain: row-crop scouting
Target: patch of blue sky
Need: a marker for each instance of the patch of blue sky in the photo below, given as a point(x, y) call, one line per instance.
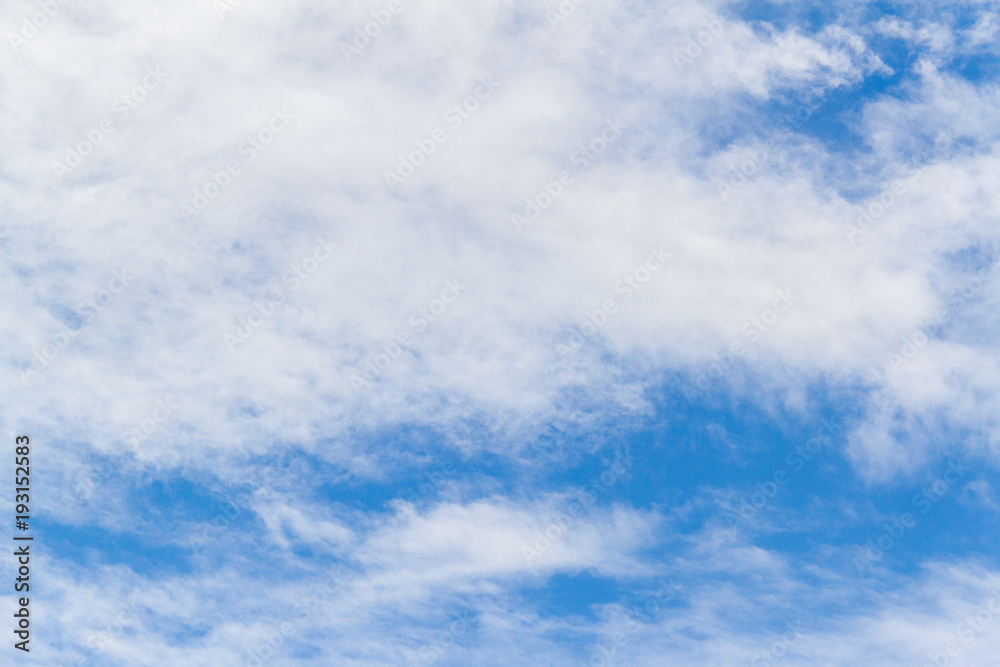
point(825, 511)
point(833, 118)
point(809, 17)
point(685, 457)
point(574, 594)
point(92, 546)
point(977, 68)
point(813, 16)
point(970, 259)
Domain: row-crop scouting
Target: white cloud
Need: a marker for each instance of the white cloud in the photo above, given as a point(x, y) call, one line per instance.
point(690, 124)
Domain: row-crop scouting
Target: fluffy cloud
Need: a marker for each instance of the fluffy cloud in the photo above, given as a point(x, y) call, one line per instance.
point(198, 216)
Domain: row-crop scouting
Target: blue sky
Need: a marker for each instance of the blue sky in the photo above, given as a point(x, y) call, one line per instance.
point(722, 392)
